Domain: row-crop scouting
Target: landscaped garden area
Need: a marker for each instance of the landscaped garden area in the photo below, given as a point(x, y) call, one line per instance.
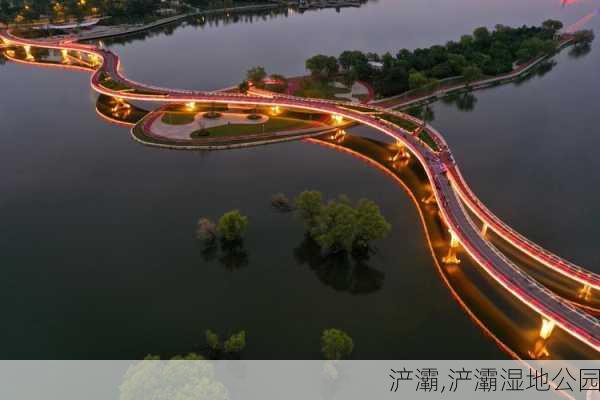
point(273, 124)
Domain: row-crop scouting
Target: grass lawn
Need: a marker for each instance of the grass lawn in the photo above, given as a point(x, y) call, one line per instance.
point(408, 125)
point(274, 124)
point(319, 90)
point(424, 136)
point(178, 118)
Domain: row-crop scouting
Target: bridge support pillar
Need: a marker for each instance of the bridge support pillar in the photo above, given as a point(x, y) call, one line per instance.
point(451, 257)
point(585, 293)
point(453, 239)
point(547, 328)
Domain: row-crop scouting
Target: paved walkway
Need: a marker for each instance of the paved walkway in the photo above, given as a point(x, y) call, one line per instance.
point(162, 129)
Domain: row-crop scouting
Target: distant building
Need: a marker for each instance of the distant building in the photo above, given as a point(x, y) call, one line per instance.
point(376, 65)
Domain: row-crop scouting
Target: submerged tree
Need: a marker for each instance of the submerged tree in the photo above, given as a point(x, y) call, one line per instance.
point(310, 207)
point(339, 225)
point(236, 342)
point(336, 344)
point(371, 225)
point(207, 230)
point(232, 225)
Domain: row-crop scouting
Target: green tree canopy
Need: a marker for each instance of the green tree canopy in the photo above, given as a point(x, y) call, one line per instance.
point(322, 67)
point(471, 73)
point(236, 342)
point(310, 207)
point(552, 25)
point(371, 224)
point(256, 75)
point(337, 227)
point(232, 225)
point(584, 37)
point(336, 344)
point(417, 80)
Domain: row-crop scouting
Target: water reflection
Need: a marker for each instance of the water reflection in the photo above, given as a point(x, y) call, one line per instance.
point(211, 20)
point(233, 255)
point(514, 327)
point(541, 70)
point(580, 51)
point(339, 271)
point(464, 101)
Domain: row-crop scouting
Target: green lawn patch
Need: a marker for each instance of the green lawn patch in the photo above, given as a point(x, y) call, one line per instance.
point(402, 123)
point(274, 124)
point(317, 89)
point(425, 137)
point(177, 118)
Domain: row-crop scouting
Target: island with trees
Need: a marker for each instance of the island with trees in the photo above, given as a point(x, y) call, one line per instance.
point(484, 53)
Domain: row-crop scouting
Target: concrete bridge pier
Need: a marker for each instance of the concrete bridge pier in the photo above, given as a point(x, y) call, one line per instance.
point(547, 328)
point(452, 257)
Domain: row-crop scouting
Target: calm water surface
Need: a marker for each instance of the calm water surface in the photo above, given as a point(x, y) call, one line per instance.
point(98, 243)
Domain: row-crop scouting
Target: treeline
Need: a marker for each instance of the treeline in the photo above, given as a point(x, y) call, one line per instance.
point(21, 11)
point(483, 52)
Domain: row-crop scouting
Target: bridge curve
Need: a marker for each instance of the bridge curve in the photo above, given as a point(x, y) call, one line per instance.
point(447, 184)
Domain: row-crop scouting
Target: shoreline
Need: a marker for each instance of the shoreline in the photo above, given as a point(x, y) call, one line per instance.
point(121, 30)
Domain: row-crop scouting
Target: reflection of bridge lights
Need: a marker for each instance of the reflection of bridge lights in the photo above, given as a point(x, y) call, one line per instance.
point(547, 328)
point(540, 351)
point(585, 293)
point(28, 54)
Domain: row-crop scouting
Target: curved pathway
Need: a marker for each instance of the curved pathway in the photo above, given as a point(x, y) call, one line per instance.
point(447, 184)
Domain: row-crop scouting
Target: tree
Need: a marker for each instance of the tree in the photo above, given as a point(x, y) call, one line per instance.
point(471, 73)
point(371, 224)
point(337, 227)
point(336, 344)
point(322, 67)
point(552, 25)
point(457, 63)
point(417, 80)
point(256, 75)
point(393, 81)
point(206, 230)
point(236, 342)
point(232, 225)
point(583, 37)
point(443, 70)
point(482, 35)
point(466, 41)
point(310, 207)
point(213, 341)
point(244, 86)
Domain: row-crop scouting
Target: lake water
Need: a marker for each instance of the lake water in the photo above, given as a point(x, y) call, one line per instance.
point(99, 252)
